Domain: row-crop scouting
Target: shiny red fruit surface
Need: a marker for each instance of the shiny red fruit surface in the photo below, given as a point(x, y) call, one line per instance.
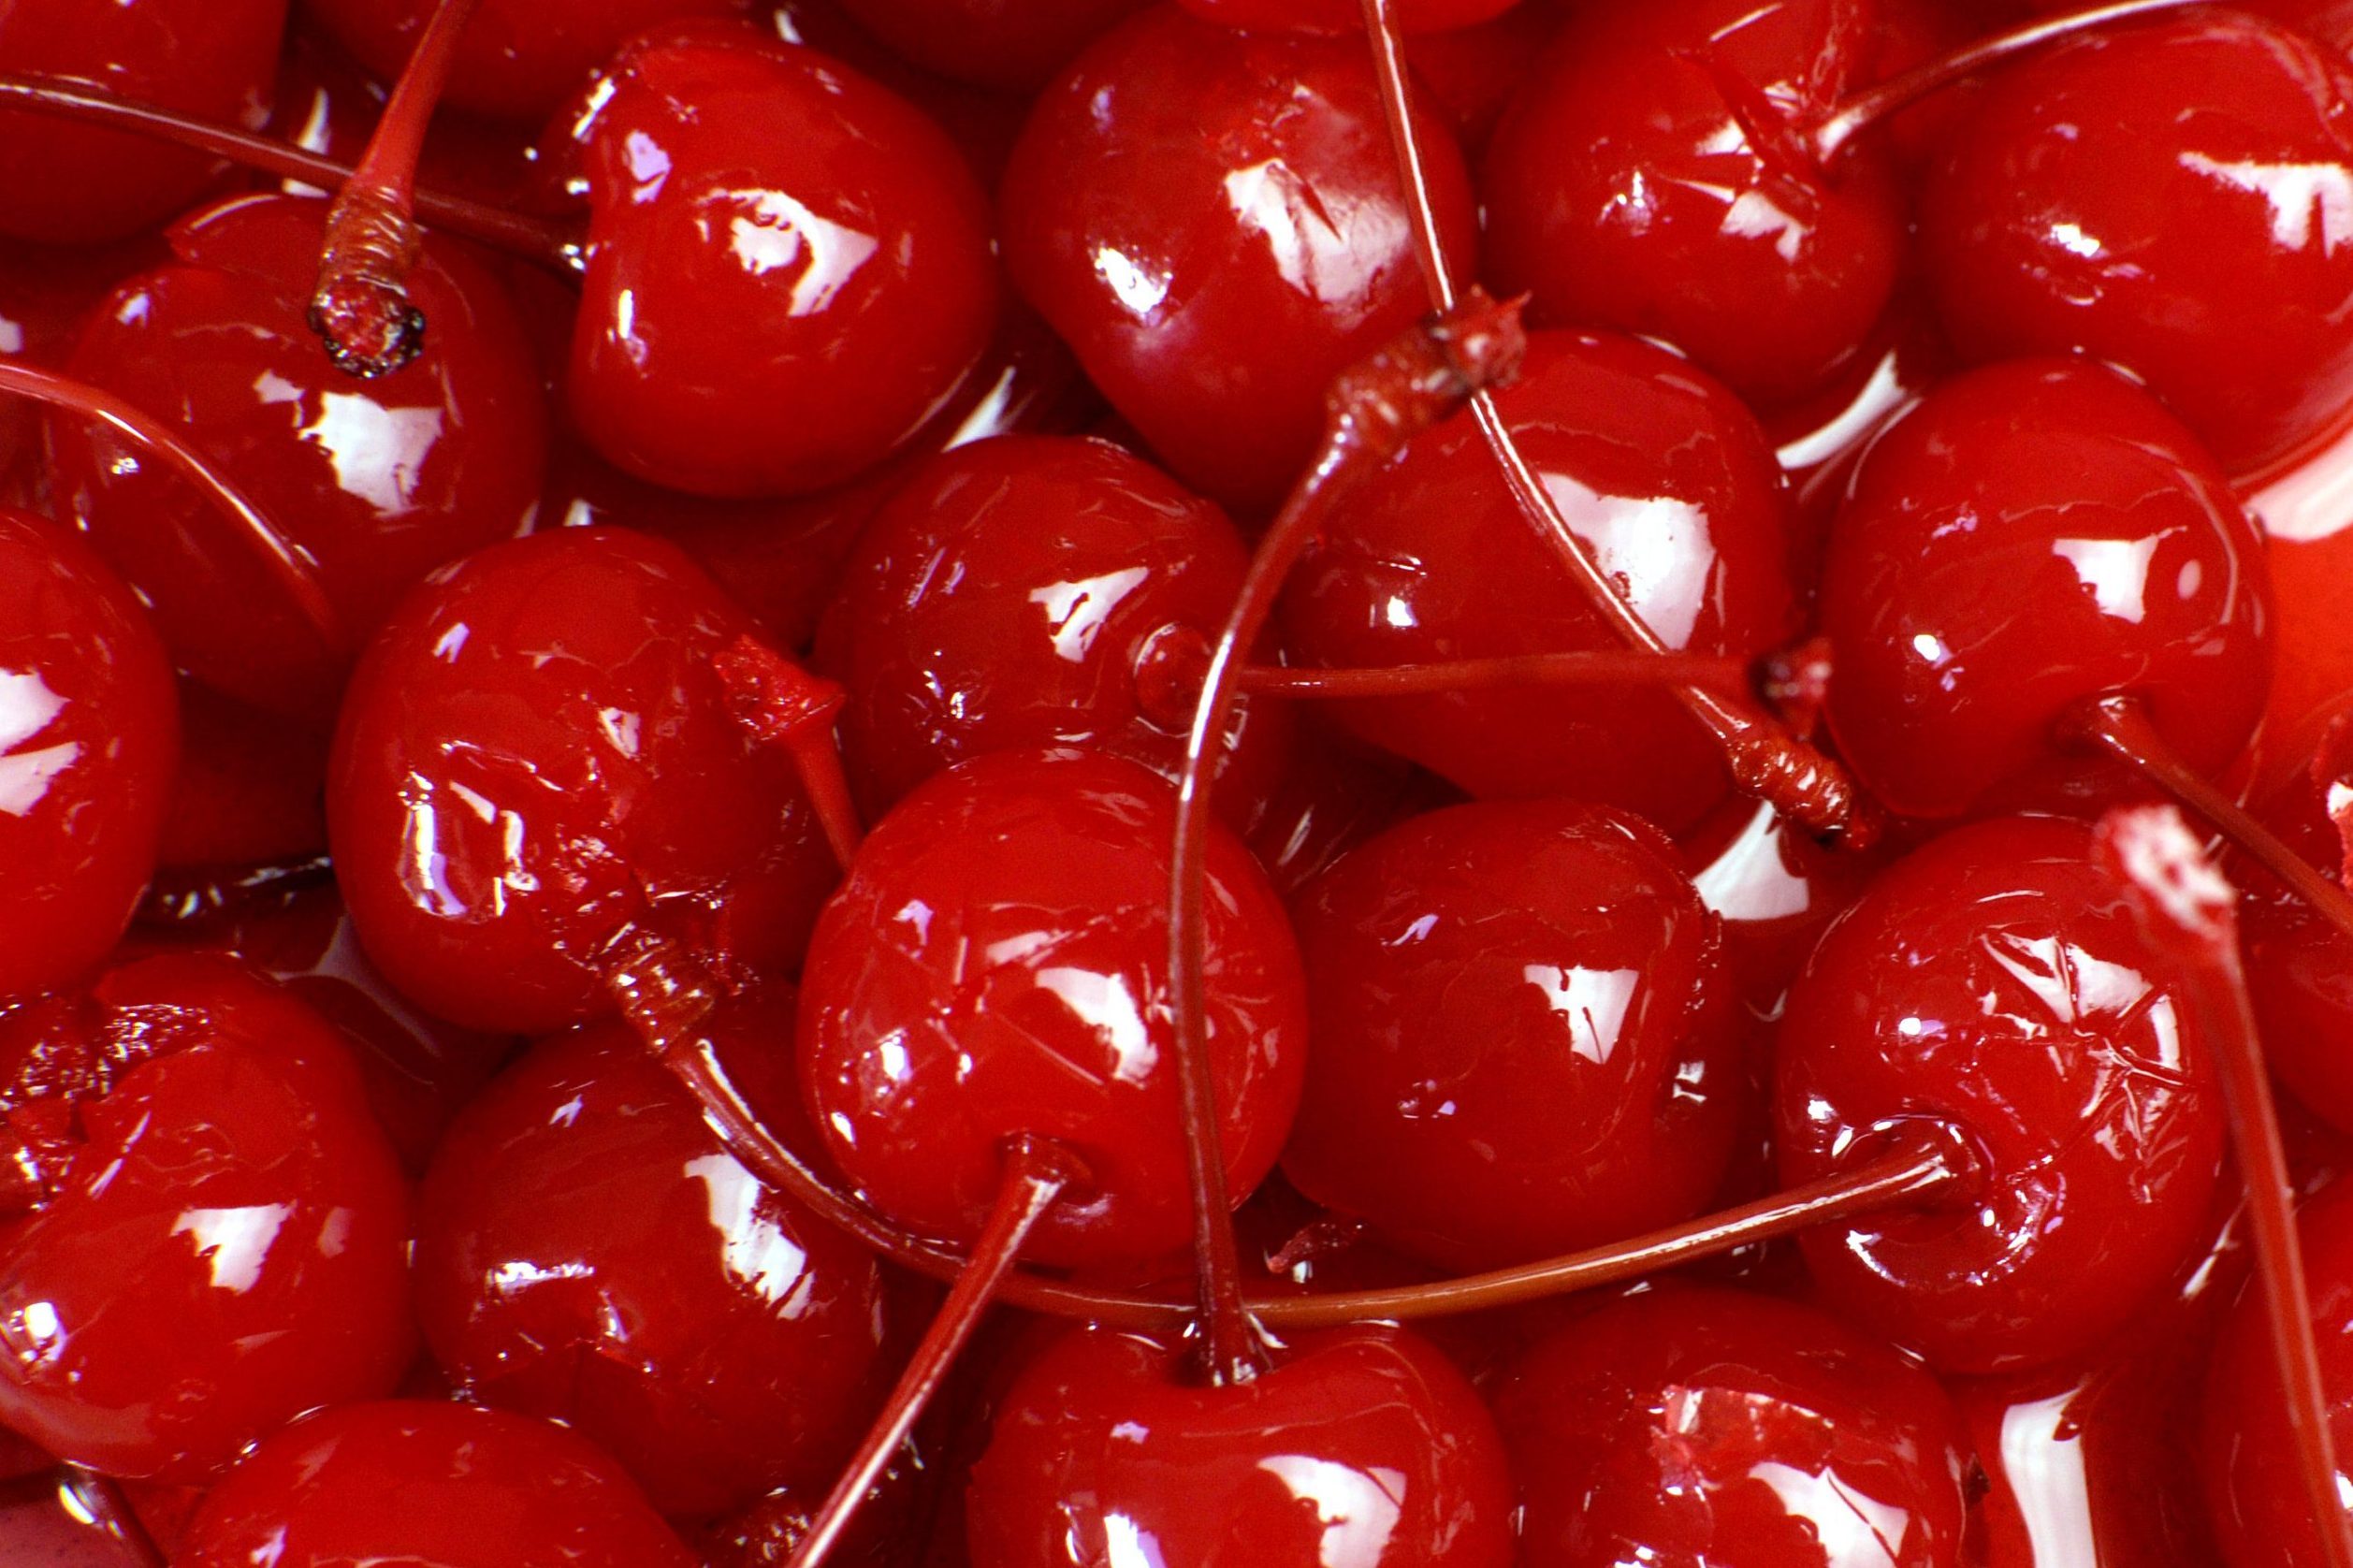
point(1345, 17)
point(1013, 45)
point(2300, 967)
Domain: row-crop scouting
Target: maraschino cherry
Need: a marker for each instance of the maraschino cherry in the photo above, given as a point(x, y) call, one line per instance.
point(2300, 967)
point(1016, 47)
point(1345, 16)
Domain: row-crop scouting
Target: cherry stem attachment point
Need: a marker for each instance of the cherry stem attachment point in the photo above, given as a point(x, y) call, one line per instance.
point(2189, 910)
point(781, 702)
point(98, 1501)
point(291, 567)
point(1589, 667)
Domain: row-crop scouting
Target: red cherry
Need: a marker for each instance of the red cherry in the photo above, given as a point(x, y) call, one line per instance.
point(1472, 72)
point(1016, 47)
point(996, 965)
point(1336, 794)
point(788, 268)
point(89, 736)
point(1648, 177)
point(2300, 967)
point(73, 185)
point(1702, 1425)
point(433, 1484)
point(1212, 220)
point(1996, 980)
point(1524, 1039)
point(2176, 198)
point(1776, 889)
point(1665, 478)
point(2027, 538)
point(1345, 17)
point(1365, 1446)
point(1032, 591)
point(218, 1240)
point(537, 754)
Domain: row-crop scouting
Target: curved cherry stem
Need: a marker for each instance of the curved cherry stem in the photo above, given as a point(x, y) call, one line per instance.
point(98, 1501)
point(1596, 667)
point(293, 569)
point(2189, 910)
point(783, 703)
point(361, 309)
point(514, 233)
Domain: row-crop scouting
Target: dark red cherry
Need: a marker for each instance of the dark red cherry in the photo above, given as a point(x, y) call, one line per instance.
point(787, 271)
point(1037, 591)
point(1472, 72)
point(587, 1252)
point(988, 42)
point(1363, 1450)
point(1345, 17)
point(1337, 792)
point(251, 787)
point(88, 738)
point(210, 1234)
point(1667, 480)
point(1212, 220)
point(73, 185)
point(432, 1486)
point(996, 964)
point(1524, 1039)
point(1648, 177)
point(378, 482)
point(1996, 982)
point(537, 754)
point(1693, 1425)
point(2176, 197)
point(44, 292)
point(2026, 538)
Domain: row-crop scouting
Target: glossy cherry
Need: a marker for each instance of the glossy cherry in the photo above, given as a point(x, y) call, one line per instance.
point(537, 755)
point(433, 1484)
point(188, 1138)
point(1364, 1449)
point(996, 964)
point(1996, 982)
point(2027, 538)
point(1212, 220)
point(1666, 479)
point(2173, 196)
point(1524, 1039)
point(88, 738)
point(1345, 17)
point(1015, 47)
point(2300, 967)
point(1703, 1425)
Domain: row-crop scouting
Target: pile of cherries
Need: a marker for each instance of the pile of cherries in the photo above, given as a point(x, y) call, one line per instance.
point(1176, 783)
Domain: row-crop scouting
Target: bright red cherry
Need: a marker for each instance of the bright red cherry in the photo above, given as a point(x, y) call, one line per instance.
point(1693, 1425)
point(1996, 982)
point(1212, 220)
point(996, 964)
point(208, 1234)
point(1667, 480)
point(2176, 197)
point(1032, 591)
point(88, 738)
point(1364, 1449)
point(437, 1486)
point(1013, 47)
point(1648, 177)
point(1775, 888)
point(1524, 1039)
point(537, 755)
point(788, 272)
point(2027, 538)
point(378, 482)
point(1344, 15)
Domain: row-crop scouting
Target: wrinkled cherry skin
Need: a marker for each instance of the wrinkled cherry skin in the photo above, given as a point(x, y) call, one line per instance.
point(1363, 1450)
point(1013, 45)
point(1032, 591)
point(997, 963)
point(788, 266)
point(1525, 1041)
point(429, 1484)
point(377, 481)
point(2158, 196)
point(1344, 15)
point(2027, 537)
point(73, 185)
point(1212, 220)
point(1667, 480)
point(1996, 982)
point(535, 753)
point(1619, 191)
point(89, 739)
point(1699, 1425)
point(221, 1240)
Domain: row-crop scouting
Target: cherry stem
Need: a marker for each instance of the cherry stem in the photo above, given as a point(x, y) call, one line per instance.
point(1766, 759)
point(515, 233)
point(2189, 910)
point(1036, 1171)
point(100, 1501)
point(1897, 93)
point(2120, 728)
point(780, 702)
point(295, 572)
point(361, 309)
point(1596, 667)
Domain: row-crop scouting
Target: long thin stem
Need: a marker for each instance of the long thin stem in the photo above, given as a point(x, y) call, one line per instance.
point(783, 703)
point(1592, 667)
